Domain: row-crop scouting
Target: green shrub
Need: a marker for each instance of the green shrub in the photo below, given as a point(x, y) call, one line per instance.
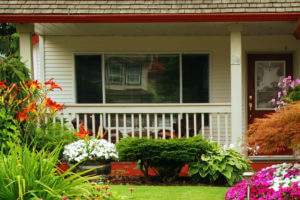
point(9, 129)
point(12, 70)
point(26, 174)
point(166, 156)
point(50, 136)
point(219, 166)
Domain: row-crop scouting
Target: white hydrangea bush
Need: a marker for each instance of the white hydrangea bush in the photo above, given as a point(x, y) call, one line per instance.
point(92, 149)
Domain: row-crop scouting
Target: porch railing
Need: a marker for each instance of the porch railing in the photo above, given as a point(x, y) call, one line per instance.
point(116, 121)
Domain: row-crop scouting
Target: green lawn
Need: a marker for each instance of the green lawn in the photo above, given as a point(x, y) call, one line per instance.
point(170, 192)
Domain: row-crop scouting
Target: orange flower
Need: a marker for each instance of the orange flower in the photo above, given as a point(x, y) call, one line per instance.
point(52, 85)
point(53, 105)
point(22, 116)
point(33, 84)
point(31, 107)
point(2, 84)
point(82, 132)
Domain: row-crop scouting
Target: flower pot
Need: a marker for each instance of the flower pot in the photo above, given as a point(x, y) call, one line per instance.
point(96, 167)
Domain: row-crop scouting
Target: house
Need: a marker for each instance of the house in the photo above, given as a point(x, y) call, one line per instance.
point(160, 68)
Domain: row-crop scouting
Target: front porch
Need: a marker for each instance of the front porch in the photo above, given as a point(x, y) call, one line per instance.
point(219, 111)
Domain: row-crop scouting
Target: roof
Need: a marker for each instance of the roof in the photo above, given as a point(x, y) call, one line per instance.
point(146, 7)
point(76, 7)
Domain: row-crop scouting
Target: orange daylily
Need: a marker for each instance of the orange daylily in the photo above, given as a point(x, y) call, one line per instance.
point(53, 105)
point(31, 107)
point(82, 132)
point(33, 84)
point(52, 85)
point(22, 116)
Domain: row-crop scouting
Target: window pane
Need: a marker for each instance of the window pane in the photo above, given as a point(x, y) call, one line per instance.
point(88, 78)
point(195, 78)
point(145, 79)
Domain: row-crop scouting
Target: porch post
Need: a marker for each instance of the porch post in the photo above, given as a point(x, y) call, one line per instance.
point(236, 86)
point(25, 31)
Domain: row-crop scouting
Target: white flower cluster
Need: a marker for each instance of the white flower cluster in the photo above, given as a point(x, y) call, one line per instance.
point(92, 149)
point(281, 177)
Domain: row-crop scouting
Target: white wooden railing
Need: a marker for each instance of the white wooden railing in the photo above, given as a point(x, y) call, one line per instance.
point(115, 121)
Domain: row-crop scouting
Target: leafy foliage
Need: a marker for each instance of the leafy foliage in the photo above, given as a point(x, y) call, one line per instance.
point(26, 174)
point(166, 156)
point(9, 129)
point(51, 135)
point(9, 40)
point(12, 70)
point(278, 131)
point(219, 166)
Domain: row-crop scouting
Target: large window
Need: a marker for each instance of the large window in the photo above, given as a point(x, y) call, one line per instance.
point(143, 78)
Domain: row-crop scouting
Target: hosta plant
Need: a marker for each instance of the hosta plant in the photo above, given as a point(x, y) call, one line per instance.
point(280, 181)
point(90, 150)
point(219, 165)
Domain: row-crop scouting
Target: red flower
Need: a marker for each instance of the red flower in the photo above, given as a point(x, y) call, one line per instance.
point(52, 85)
point(53, 105)
point(82, 132)
point(2, 84)
point(22, 116)
point(33, 84)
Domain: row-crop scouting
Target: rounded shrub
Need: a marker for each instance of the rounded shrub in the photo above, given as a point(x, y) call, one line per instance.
point(167, 157)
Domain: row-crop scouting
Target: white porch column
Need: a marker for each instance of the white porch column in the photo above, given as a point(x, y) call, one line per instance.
point(25, 31)
point(236, 85)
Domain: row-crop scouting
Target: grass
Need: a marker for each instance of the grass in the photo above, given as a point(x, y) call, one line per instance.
point(170, 192)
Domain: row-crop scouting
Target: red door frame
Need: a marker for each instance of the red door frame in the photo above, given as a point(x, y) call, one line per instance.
point(288, 57)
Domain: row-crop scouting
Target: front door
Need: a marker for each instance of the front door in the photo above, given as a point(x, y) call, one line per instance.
point(264, 72)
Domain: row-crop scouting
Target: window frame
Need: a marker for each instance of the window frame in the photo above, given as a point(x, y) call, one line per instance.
point(103, 55)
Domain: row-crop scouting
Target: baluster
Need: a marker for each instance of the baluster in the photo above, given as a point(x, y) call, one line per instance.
point(164, 125)
point(202, 125)
point(93, 125)
point(109, 126)
point(179, 125)
point(187, 132)
point(124, 125)
point(140, 125)
point(195, 124)
point(77, 122)
point(54, 119)
point(155, 126)
point(132, 125)
point(85, 122)
point(100, 131)
point(171, 122)
point(210, 127)
point(218, 128)
point(148, 125)
point(226, 130)
point(117, 127)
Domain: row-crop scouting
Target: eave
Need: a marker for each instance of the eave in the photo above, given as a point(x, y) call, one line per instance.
point(148, 18)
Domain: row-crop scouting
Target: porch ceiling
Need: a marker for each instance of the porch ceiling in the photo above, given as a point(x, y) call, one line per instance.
point(140, 29)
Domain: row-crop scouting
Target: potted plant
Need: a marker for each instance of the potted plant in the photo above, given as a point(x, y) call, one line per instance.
point(91, 153)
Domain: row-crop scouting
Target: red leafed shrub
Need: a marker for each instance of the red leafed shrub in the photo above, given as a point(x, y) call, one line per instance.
point(276, 132)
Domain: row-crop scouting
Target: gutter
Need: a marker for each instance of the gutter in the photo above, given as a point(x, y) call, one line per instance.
point(148, 18)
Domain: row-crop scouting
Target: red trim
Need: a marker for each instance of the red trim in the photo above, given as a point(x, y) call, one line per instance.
point(297, 31)
point(148, 18)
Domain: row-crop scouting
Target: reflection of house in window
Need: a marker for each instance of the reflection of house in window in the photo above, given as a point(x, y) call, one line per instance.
point(115, 74)
point(133, 74)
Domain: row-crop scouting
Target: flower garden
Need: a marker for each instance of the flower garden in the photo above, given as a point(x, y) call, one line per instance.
point(34, 147)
